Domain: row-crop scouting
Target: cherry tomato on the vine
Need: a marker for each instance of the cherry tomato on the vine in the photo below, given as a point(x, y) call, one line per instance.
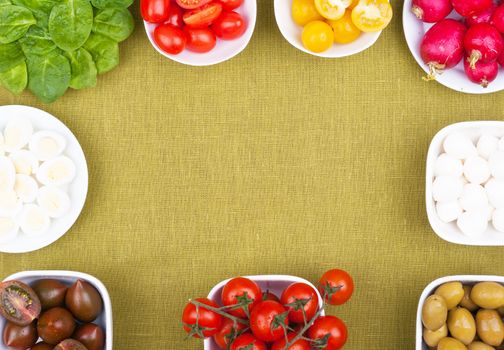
point(266, 320)
point(300, 344)
point(248, 342)
point(337, 285)
point(332, 326)
point(155, 11)
point(241, 290)
point(170, 39)
point(299, 296)
point(231, 4)
point(203, 16)
point(230, 25)
point(200, 40)
point(175, 15)
point(200, 322)
point(227, 331)
point(270, 296)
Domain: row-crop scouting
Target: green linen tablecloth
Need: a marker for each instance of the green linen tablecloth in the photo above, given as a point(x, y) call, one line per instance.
point(275, 162)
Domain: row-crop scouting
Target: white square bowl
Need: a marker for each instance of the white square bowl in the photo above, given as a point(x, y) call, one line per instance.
point(431, 287)
point(273, 283)
point(68, 278)
point(449, 231)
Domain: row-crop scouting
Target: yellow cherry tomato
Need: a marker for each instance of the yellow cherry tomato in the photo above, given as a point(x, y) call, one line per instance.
point(344, 29)
point(372, 15)
point(317, 36)
point(304, 11)
point(332, 9)
point(353, 4)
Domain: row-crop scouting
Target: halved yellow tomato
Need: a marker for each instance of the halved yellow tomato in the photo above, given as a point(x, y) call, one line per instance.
point(317, 36)
point(304, 11)
point(332, 9)
point(344, 30)
point(372, 15)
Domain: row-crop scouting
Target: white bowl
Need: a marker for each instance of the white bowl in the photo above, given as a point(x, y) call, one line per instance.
point(454, 78)
point(292, 33)
point(449, 231)
point(273, 283)
point(431, 287)
point(69, 277)
point(223, 50)
point(77, 190)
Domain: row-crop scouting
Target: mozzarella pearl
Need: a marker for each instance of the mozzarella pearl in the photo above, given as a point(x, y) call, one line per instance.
point(473, 223)
point(495, 192)
point(487, 144)
point(459, 146)
point(498, 220)
point(447, 188)
point(473, 197)
point(496, 164)
point(448, 165)
point(476, 170)
point(448, 211)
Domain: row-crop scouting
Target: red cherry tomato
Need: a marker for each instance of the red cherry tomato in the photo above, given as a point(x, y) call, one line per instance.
point(200, 40)
point(230, 25)
point(270, 296)
point(225, 333)
point(299, 296)
point(175, 16)
point(170, 39)
point(200, 322)
point(331, 325)
point(300, 344)
point(241, 289)
point(266, 318)
point(337, 285)
point(192, 4)
point(230, 5)
point(155, 11)
point(203, 16)
point(247, 342)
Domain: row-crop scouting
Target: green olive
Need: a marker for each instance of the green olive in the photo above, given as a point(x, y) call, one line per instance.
point(488, 295)
point(467, 301)
point(434, 312)
point(450, 344)
point(490, 327)
point(477, 345)
point(432, 338)
point(462, 325)
point(452, 292)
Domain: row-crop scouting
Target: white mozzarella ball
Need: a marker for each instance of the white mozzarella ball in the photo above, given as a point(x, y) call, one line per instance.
point(448, 165)
point(501, 144)
point(25, 162)
point(8, 230)
point(7, 174)
point(10, 204)
point(473, 223)
point(34, 221)
point(476, 170)
point(17, 134)
point(26, 188)
point(473, 197)
point(495, 192)
point(498, 219)
point(489, 210)
point(47, 144)
point(487, 144)
point(448, 211)
point(459, 146)
point(496, 163)
point(447, 188)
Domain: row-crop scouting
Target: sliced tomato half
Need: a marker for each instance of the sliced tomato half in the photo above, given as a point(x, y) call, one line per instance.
point(192, 4)
point(203, 16)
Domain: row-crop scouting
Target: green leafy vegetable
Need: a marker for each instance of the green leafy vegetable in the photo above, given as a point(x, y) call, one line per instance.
point(5, 2)
point(40, 9)
point(37, 41)
point(15, 79)
point(103, 4)
point(105, 52)
point(114, 23)
point(11, 55)
point(70, 24)
point(48, 76)
point(84, 71)
point(14, 22)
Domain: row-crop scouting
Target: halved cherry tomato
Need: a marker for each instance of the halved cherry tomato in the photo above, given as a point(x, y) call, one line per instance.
point(227, 332)
point(155, 11)
point(200, 39)
point(372, 15)
point(230, 25)
point(298, 297)
point(304, 11)
point(192, 4)
point(337, 286)
point(332, 9)
point(241, 289)
point(203, 16)
point(344, 29)
point(231, 4)
point(266, 318)
point(175, 15)
point(170, 39)
point(317, 36)
point(330, 331)
point(200, 322)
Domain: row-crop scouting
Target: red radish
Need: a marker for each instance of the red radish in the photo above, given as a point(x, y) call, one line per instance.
point(442, 46)
point(469, 7)
point(431, 11)
point(501, 59)
point(498, 18)
point(481, 17)
point(483, 73)
point(483, 43)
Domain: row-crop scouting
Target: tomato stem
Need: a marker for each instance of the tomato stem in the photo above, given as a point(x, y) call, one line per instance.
point(218, 311)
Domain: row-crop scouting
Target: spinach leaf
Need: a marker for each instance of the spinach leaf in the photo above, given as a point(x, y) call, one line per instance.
point(5, 2)
point(70, 24)
point(37, 41)
point(11, 55)
point(40, 9)
point(15, 79)
point(84, 71)
point(48, 75)
point(14, 22)
point(105, 52)
point(114, 23)
point(103, 4)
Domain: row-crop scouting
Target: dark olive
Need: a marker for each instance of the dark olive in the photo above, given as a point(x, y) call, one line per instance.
point(18, 303)
point(91, 335)
point(84, 301)
point(55, 325)
point(50, 292)
point(70, 344)
point(42, 346)
point(19, 337)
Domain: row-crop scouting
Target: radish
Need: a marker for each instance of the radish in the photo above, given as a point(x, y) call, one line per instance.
point(469, 7)
point(481, 17)
point(501, 59)
point(498, 18)
point(483, 73)
point(442, 46)
point(431, 11)
point(483, 43)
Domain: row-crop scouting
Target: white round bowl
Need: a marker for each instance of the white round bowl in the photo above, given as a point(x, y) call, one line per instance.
point(454, 78)
point(273, 283)
point(68, 278)
point(223, 50)
point(292, 33)
point(77, 190)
